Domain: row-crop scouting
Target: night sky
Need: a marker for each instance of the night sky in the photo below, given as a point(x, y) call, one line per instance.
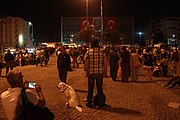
point(45, 14)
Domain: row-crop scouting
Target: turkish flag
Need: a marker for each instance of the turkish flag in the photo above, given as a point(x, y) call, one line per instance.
point(84, 22)
point(111, 23)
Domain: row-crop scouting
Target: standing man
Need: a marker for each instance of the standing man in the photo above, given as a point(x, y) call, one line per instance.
point(125, 64)
point(9, 59)
point(46, 56)
point(134, 64)
point(94, 70)
point(63, 64)
point(75, 55)
point(38, 56)
point(114, 63)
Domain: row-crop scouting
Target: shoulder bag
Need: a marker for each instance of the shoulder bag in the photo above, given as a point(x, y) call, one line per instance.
point(33, 112)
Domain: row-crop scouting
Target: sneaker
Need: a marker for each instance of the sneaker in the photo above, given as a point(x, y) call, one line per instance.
point(89, 105)
point(170, 86)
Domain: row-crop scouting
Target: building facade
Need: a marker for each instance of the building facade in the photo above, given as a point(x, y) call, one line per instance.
point(15, 32)
point(167, 29)
point(71, 26)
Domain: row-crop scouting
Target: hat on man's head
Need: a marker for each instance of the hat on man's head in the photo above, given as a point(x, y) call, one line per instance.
point(13, 77)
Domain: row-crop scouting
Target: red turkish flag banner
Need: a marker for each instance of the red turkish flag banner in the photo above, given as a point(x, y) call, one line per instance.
point(84, 22)
point(111, 23)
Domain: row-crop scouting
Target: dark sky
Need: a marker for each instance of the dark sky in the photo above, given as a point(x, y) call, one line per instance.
point(45, 14)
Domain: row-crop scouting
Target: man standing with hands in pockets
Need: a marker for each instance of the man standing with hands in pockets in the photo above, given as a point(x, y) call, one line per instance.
point(94, 71)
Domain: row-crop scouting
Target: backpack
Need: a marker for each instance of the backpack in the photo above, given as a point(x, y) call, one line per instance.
point(99, 100)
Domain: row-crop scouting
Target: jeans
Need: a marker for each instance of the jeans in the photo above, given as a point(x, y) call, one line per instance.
point(63, 74)
point(99, 83)
point(113, 71)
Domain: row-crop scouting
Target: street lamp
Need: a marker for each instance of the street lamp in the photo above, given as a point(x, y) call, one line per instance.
point(71, 39)
point(140, 35)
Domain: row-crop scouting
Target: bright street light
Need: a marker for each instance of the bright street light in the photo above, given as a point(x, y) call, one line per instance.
point(140, 35)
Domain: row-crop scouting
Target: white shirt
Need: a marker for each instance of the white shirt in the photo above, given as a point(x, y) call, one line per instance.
point(42, 53)
point(12, 97)
point(38, 54)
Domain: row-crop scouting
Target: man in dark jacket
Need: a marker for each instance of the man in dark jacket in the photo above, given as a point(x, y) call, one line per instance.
point(114, 63)
point(9, 59)
point(63, 64)
point(125, 64)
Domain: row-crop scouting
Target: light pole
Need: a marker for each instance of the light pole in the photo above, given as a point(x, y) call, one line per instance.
point(101, 21)
point(87, 9)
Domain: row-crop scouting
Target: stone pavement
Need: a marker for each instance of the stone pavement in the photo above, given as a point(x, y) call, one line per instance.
point(143, 100)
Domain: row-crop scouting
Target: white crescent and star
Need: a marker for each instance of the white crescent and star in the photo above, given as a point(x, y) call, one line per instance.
point(111, 23)
point(85, 22)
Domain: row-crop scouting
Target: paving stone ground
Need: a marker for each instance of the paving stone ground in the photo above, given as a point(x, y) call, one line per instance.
point(143, 100)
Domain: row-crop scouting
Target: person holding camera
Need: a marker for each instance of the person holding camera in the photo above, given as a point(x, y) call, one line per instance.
point(12, 98)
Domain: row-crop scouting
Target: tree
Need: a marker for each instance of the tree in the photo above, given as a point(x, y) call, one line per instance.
point(87, 34)
point(111, 36)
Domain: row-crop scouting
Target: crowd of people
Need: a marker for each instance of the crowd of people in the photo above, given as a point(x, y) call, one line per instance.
point(155, 61)
point(20, 58)
point(131, 59)
point(95, 60)
point(128, 59)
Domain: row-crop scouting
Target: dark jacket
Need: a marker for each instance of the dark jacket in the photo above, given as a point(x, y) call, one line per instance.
point(148, 60)
point(8, 57)
point(63, 61)
point(113, 59)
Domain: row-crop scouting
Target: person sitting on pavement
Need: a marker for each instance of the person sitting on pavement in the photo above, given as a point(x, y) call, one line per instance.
point(12, 100)
point(173, 81)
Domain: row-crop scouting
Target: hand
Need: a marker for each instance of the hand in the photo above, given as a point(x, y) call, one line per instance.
point(24, 84)
point(38, 88)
